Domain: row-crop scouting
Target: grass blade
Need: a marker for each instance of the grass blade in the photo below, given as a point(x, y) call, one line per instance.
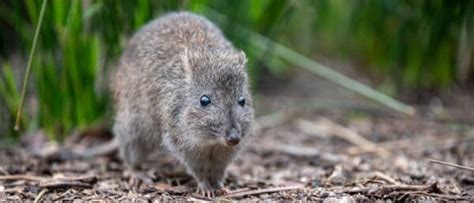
point(28, 68)
point(329, 74)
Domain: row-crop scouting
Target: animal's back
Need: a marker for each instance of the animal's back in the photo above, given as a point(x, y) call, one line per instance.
point(157, 46)
point(165, 38)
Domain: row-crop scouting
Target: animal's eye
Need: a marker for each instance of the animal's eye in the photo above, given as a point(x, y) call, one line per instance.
point(241, 101)
point(205, 100)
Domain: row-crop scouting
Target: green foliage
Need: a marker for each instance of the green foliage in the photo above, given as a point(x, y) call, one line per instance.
point(10, 94)
point(409, 44)
point(412, 44)
point(80, 40)
point(266, 17)
point(415, 41)
point(65, 69)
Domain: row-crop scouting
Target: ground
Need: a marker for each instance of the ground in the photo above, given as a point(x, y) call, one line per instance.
point(313, 141)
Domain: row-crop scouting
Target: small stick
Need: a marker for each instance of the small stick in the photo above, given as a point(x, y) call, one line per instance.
point(386, 178)
point(444, 196)
point(241, 190)
point(40, 195)
point(65, 184)
point(261, 191)
point(324, 125)
point(101, 150)
point(23, 177)
point(84, 178)
point(309, 127)
point(393, 188)
point(400, 144)
point(298, 150)
point(15, 189)
point(451, 164)
point(441, 196)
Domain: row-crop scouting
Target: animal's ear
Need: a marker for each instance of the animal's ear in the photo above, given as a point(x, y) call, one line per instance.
point(242, 58)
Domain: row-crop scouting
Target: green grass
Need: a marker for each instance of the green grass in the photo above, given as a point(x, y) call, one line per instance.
point(406, 44)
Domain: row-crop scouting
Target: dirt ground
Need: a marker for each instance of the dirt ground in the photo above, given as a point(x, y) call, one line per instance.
point(313, 142)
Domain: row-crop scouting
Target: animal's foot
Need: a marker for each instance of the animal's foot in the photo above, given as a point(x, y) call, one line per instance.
point(139, 177)
point(205, 190)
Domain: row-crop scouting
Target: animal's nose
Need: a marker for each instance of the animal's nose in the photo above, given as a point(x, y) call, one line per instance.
point(232, 137)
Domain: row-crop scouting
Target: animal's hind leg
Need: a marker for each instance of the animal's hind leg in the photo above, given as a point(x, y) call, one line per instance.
point(134, 156)
point(133, 151)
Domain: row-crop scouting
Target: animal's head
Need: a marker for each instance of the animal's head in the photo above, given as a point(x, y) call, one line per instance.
point(220, 105)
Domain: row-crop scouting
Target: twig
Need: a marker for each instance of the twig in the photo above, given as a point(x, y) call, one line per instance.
point(328, 127)
point(15, 189)
point(101, 150)
point(410, 144)
point(444, 196)
point(84, 178)
point(397, 144)
point(302, 151)
point(441, 196)
point(308, 127)
point(58, 197)
point(386, 178)
point(336, 175)
point(261, 191)
point(23, 177)
point(451, 164)
point(40, 195)
point(298, 150)
point(241, 190)
point(65, 184)
point(391, 188)
point(28, 68)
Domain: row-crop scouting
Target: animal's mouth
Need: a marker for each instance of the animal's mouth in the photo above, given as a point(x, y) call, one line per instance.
point(232, 139)
point(232, 143)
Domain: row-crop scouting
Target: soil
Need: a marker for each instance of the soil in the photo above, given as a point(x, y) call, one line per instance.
point(313, 142)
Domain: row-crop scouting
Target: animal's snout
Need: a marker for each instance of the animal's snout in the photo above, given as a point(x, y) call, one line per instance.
point(232, 137)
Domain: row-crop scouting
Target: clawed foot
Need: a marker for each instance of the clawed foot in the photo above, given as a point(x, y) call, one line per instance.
point(138, 177)
point(205, 191)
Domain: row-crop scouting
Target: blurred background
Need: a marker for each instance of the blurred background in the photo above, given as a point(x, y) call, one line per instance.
point(411, 50)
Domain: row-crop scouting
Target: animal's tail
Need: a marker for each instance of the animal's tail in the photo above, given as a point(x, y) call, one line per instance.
point(101, 150)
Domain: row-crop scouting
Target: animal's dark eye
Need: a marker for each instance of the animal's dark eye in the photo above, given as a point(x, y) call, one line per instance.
point(241, 101)
point(205, 100)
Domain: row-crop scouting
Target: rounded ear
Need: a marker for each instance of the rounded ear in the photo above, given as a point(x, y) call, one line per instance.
point(242, 58)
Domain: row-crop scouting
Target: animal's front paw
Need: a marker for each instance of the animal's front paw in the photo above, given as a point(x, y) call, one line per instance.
point(205, 190)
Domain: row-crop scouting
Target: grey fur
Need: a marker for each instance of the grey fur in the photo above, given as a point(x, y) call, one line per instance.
point(165, 69)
